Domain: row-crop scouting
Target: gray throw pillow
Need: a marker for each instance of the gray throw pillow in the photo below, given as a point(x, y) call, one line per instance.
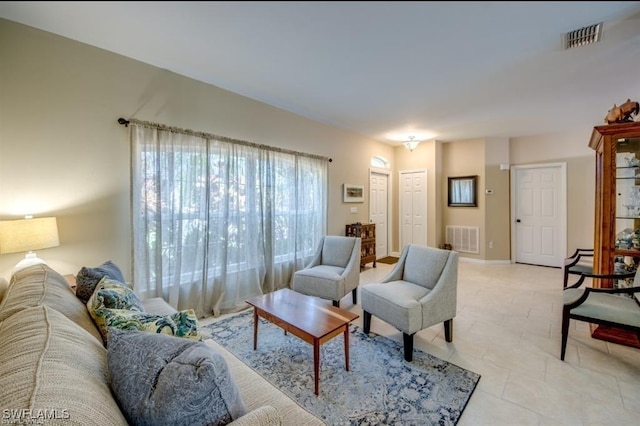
point(88, 278)
point(161, 379)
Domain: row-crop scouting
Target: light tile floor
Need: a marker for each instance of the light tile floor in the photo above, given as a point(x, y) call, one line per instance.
point(508, 330)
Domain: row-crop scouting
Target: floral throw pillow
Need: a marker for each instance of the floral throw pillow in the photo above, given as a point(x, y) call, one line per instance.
point(180, 324)
point(113, 294)
point(113, 304)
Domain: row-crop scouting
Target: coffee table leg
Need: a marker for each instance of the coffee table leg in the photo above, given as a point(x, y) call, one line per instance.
point(316, 363)
point(346, 347)
point(255, 328)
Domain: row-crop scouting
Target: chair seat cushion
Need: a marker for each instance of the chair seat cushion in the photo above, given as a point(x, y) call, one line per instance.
point(618, 309)
point(580, 269)
point(322, 281)
point(322, 271)
point(396, 302)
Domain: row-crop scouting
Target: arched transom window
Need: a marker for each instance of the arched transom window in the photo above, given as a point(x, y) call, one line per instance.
point(379, 162)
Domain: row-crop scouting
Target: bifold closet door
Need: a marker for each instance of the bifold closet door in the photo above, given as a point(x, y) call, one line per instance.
point(413, 207)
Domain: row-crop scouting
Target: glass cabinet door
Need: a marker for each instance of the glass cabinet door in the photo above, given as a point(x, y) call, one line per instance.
point(627, 205)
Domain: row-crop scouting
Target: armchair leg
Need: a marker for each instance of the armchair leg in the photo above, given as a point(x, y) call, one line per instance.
point(448, 330)
point(407, 340)
point(354, 295)
point(565, 332)
point(366, 320)
point(336, 303)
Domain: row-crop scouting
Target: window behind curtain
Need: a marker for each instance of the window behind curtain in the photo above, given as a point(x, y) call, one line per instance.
point(216, 222)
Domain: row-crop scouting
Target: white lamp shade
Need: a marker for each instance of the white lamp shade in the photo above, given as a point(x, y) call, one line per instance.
point(28, 234)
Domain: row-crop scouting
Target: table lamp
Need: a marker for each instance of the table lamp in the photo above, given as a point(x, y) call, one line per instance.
point(28, 234)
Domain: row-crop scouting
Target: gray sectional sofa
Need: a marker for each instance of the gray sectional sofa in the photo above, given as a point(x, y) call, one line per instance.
point(53, 365)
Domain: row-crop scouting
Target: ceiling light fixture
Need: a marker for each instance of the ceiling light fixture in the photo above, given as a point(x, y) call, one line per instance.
point(411, 144)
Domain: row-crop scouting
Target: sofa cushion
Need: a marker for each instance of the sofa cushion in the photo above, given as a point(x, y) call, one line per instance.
point(157, 305)
point(47, 362)
point(41, 285)
point(88, 278)
point(3, 288)
point(257, 392)
point(160, 379)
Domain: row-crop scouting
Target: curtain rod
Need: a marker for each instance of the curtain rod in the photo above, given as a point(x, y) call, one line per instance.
point(125, 122)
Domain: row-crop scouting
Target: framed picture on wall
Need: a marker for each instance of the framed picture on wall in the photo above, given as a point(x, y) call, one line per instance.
point(353, 193)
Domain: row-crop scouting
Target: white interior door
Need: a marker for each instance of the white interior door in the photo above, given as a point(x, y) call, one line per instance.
point(379, 210)
point(539, 214)
point(413, 207)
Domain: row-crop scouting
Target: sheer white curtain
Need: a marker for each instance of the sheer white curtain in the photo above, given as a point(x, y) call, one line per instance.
point(216, 221)
point(463, 191)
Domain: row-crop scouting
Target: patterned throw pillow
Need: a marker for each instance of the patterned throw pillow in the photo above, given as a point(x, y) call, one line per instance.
point(159, 379)
point(179, 324)
point(113, 294)
point(88, 278)
point(112, 304)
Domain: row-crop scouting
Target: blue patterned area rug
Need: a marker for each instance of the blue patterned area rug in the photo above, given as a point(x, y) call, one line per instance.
point(381, 388)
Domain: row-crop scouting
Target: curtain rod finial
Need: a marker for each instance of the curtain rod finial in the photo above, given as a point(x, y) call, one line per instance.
point(123, 121)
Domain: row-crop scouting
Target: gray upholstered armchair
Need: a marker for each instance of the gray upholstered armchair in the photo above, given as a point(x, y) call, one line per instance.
point(334, 270)
point(419, 292)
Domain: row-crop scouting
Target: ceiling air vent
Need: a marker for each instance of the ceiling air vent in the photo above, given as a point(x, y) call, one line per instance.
point(583, 36)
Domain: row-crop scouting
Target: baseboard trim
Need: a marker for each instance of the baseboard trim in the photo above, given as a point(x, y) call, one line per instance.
point(471, 259)
point(486, 262)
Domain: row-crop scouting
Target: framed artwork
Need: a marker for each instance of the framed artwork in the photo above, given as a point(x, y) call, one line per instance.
point(353, 193)
point(463, 191)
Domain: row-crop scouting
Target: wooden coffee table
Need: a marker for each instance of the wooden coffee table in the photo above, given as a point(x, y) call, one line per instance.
point(311, 319)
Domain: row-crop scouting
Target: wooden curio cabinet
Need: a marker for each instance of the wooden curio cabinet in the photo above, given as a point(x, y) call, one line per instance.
point(617, 209)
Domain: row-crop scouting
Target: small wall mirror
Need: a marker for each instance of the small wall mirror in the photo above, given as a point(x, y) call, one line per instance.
point(463, 191)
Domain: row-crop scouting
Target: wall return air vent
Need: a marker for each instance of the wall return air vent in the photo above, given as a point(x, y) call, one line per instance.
point(583, 36)
point(464, 239)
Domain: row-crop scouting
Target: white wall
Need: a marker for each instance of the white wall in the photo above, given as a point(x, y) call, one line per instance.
point(62, 152)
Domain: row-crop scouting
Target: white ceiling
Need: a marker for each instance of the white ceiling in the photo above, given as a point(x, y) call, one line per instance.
point(386, 70)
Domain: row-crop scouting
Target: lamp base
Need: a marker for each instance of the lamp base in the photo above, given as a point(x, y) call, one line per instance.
point(29, 260)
